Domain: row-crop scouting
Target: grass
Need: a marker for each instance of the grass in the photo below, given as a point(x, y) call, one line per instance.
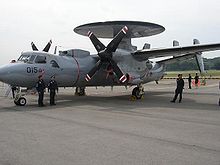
point(210, 73)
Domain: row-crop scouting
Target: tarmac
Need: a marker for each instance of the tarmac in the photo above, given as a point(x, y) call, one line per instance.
point(106, 128)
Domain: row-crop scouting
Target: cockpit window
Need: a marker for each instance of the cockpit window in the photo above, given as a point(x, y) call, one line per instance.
point(32, 58)
point(40, 59)
point(24, 58)
point(54, 64)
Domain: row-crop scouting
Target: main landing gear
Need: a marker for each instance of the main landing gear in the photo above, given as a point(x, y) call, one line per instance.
point(80, 91)
point(138, 92)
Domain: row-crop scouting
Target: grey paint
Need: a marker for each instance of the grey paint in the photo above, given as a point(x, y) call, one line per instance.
point(109, 29)
point(74, 64)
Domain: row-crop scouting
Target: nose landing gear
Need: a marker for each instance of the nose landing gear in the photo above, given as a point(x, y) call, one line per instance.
point(19, 98)
point(20, 101)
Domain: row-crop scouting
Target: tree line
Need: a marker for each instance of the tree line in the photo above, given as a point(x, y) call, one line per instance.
point(209, 64)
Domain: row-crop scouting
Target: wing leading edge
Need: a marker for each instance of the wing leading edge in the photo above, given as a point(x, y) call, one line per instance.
point(145, 54)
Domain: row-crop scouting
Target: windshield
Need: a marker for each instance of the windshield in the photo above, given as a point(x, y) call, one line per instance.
point(26, 58)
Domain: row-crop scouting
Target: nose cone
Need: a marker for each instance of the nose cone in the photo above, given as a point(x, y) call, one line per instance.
point(6, 73)
point(15, 74)
point(2, 73)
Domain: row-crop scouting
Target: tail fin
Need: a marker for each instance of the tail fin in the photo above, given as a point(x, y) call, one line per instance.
point(146, 46)
point(175, 43)
point(199, 58)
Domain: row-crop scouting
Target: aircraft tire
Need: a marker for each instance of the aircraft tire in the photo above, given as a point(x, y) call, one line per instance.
point(16, 103)
point(22, 101)
point(136, 93)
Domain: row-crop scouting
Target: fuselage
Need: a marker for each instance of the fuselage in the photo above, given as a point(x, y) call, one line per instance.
point(70, 70)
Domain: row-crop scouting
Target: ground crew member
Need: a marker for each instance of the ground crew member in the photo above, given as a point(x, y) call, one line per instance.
point(219, 98)
point(190, 81)
point(13, 89)
point(196, 80)
point(52, 88)
point(40, 86)
point(179, 89)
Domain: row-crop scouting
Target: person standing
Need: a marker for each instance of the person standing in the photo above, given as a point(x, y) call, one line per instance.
point(13, 89)
point(40, 86)
point(179, 89)
point(219, 98)
point(52, 88)
point(196, 80)
point(190, 81)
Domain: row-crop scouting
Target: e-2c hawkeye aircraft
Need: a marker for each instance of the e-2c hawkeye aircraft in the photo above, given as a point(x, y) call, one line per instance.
point(117, 64)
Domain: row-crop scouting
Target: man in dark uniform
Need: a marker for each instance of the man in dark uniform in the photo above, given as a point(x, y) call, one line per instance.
point(219, 98)
point(179, 89)
point(52, 88)
point(196, 80)
point(190, 81)
point(40, 86)
point(13, 89)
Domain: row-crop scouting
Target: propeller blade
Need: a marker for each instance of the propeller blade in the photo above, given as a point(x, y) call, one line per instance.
point(118, 72)
point(55, 50)
point(95, 41)
point(113, 45)
point(93, 71)
point(47, 47)
point(34, 48)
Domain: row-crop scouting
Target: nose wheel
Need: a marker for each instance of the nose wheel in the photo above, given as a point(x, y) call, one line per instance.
point(20, 101)
point(138, 92)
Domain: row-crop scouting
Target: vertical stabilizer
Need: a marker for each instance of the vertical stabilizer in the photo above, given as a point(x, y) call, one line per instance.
point(146, 46)
point(199, 58)
point(175, 43)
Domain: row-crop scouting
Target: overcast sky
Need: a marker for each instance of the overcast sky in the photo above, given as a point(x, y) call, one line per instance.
point(23, 21)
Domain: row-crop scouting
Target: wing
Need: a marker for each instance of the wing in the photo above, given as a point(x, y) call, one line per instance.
point(178, 58)
point(145, 54)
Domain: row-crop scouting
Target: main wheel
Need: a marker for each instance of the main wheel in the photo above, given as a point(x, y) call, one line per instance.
point(136, 92)
point(22, 101)
point(80, 91)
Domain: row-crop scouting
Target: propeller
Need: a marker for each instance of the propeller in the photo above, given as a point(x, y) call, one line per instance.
point(34, 48)
point(105, 54)
point(55, 50)
point(46, 49)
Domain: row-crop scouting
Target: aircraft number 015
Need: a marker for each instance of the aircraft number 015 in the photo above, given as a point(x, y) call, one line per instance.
point(32, 69)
